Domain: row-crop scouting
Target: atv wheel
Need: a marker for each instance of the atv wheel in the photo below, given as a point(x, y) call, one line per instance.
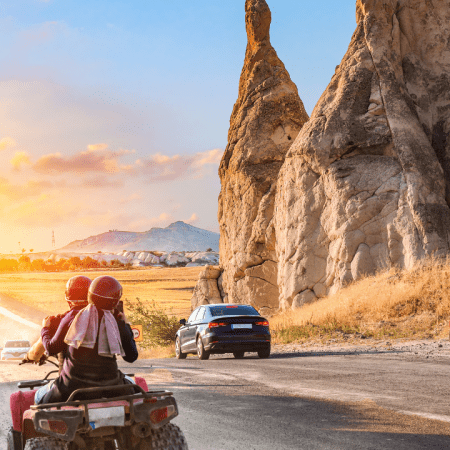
point(178, 352)
point(168, 437)
point(45, 443)
point(238, 355)
point(14, 440)
point(201, 352)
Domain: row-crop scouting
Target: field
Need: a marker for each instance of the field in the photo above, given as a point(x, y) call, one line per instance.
point(410, 304)
point(396, 304)
point(169, 287)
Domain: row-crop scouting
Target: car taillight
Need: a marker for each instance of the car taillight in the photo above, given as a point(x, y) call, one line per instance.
point(217, 324)
point(158, 415)
point(56, 426)
point(263, 324)
point(231, 307)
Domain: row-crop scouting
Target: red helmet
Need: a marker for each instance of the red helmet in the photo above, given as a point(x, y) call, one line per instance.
point(77, 291)
point(105, 292)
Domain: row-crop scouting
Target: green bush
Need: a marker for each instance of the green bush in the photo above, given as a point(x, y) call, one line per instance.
point(158, 328)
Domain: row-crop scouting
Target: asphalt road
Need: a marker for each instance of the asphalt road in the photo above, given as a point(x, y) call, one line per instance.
point(365, 401)
point(315, 400)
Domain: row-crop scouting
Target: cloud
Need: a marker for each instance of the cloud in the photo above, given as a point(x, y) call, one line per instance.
point(156, 168)
point(130, 198)
point(193, 219)
point(101, 182)
point(32, 188)
point(165, 168)
point(97, 159)
point(7, 142)
point(212, 157)
point(43, 211)
point(96, 147)
point(18, 159)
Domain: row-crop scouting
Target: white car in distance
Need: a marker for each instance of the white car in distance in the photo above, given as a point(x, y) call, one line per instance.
point(15, 350)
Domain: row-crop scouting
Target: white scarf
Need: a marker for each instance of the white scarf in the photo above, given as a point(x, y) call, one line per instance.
point(85, 327)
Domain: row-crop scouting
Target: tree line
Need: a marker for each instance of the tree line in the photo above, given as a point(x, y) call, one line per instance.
point(24, 264)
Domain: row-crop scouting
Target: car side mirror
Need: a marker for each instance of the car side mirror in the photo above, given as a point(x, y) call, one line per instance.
point(183, 321)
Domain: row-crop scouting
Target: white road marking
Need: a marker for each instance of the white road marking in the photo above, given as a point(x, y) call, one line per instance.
point(16, 318)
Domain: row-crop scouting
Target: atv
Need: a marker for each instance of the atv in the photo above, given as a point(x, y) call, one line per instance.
point(134, 419)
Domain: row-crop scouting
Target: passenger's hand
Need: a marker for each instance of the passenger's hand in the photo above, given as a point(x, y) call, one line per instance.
point(47, 321)
point(26, 360)
point(120, 316)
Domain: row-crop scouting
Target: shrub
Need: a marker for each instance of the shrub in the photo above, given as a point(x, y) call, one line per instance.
point(75, 261)
point(159, 329)
point(24, 260)
point(38, 264)
point(8, 265)
point(90, 263)
point(116, 263)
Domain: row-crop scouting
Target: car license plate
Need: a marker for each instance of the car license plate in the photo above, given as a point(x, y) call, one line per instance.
point(236, 326)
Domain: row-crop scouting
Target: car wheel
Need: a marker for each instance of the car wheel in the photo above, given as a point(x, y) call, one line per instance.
point(264, 353)
point(178, 353)
point(238, 355)
point(201, 352)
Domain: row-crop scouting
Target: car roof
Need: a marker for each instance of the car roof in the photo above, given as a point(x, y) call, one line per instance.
point(227, 304)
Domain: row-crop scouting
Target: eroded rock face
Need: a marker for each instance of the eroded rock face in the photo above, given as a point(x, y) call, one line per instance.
point(366, 184)
point(264, 123)
point(206, 290)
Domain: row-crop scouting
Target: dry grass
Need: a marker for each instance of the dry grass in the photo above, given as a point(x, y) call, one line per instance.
point(170, 288)
point(157, 352)
point(396, 304)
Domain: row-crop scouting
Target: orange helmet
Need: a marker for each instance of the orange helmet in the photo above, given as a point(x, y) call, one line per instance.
point(105, 292)
point(77, 291)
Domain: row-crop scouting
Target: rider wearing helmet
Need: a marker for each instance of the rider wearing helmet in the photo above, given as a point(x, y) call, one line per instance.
point(76, 294)
point(77, 291)
point(91, 338)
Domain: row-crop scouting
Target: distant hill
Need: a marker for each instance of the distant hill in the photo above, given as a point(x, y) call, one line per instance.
point(178, 236)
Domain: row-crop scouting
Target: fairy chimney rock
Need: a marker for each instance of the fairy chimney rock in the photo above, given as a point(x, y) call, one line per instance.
point(265, 121)
point(366, 184)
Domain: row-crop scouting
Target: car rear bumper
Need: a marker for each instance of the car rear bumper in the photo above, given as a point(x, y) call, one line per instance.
point(225, 344)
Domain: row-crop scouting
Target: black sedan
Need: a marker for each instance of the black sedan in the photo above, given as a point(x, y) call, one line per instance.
point(223, 328)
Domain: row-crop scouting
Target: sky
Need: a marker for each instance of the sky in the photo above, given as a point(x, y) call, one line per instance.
point(114, 114)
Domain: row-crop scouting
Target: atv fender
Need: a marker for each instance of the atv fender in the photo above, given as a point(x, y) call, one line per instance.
point(28, 430)
point(20, 402)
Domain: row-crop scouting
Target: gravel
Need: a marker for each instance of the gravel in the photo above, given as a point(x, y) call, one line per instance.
point(426, 348)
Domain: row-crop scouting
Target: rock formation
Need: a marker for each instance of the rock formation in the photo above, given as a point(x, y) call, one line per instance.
point(366, 184)
point(265, 120)
point(206, 290)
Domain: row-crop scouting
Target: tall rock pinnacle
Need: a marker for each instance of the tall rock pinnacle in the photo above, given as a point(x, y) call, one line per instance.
point(366, 185)
point(265, 121)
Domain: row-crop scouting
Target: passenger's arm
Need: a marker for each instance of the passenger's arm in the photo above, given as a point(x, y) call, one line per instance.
point(127, 338)
point(54, 343)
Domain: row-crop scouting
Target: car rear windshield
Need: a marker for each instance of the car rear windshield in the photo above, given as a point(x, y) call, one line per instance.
point(17, 344)
point(243, 310)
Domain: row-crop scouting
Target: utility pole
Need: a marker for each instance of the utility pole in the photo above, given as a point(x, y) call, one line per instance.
point(53, 239)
